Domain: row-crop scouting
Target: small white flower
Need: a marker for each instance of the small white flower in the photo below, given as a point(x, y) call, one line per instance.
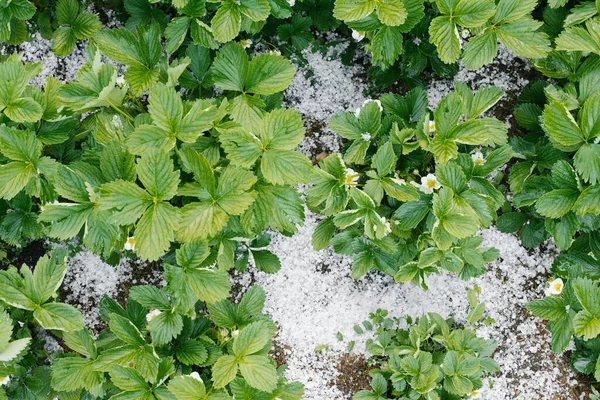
point(235, 333)
point(555, 287)
point(246, 43)
point(358, 35)
point(374, 101)
point(130, 243)
point(477, 158)
point(121, 81)
point(196, 376)
point(357, 112)
point(291, 2)
point(351, 177)
point(465, 33)
point(4, 381)
point(275, 52)
point(429, 183)
point(431, 126)
point(475, 394)
point(365, 136)
point(417, 41)
point(152, 314)
point(597, 141)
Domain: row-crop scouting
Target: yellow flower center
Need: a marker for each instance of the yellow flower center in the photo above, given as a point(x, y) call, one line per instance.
point(431, 183)
point(478, 161)
point(131, 241)
point(558, 286)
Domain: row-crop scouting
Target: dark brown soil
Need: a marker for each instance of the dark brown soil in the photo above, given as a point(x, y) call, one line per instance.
point(29, 255)
point(354, 374)
point(278, 352)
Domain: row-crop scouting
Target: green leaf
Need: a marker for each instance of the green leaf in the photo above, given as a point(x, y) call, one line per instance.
point(549, 308)
point(226, 23)
point(165, 327)
point(48, 274)
point(125, 330)
point(224, 371)
point(176, 32)
point(64, 41)
point(269, 74)
point(353, 10)
point(442, 32)
point(127, 379)
point(587, 325)
point(73, 373)
point(253, 337)
point(523, 38)
point(588, 201)
point(560, 126)
point(13, 349)
point(512, 10)
point(24, 109)
point(480, 50)
point(150, 297)
point(67, 11)
point(391, 13)
point(556, 203)
point(266, 261)
point(587, 162)
point(58, 316)
point(472, 13)
point(511, 222)
point(230, 67)
point(285, 167)
point(576, 38)
point(86, 25)
point(187, 388)
point(156, 229)
point(259, 372)
point(156, 172)
point(386, 45)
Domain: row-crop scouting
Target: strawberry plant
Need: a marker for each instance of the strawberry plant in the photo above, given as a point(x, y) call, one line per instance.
point(555, 182)
point(450, 23)
point(410, 192)
point(13, 17)
point(427, 358)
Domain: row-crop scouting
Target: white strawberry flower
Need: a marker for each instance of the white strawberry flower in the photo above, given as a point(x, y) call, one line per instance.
point(152, 314)
point(291, 2)
point(478, 158)
point(351, 177)
point(475, 394)
point(246, 43)
point(365, 136)
point(431, 126)
point(465, 33)
point(358, 35)
point(4, 381)
point(555, 287)
point(130, 243)
point(196, 376)
point(121, 81)
point(275, 52)
point(429, 183)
